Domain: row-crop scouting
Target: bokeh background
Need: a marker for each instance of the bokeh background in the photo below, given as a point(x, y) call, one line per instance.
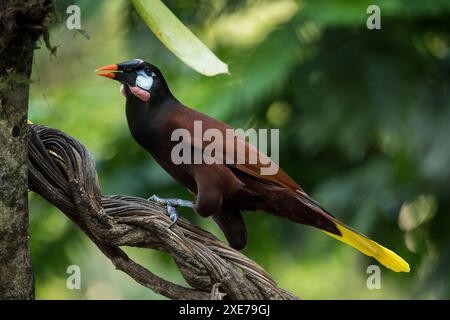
point(364, 118)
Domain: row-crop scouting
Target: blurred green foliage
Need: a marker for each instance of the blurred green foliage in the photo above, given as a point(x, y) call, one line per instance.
point(364, 117)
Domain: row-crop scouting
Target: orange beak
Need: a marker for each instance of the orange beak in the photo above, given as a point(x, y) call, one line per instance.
point(112, 67)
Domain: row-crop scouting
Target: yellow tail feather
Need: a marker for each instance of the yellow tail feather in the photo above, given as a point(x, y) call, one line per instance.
point(385, 256)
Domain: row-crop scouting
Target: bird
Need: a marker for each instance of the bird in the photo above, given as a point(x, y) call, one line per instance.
point(222, 190)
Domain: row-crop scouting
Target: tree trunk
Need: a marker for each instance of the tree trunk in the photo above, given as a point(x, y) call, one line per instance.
point(21, 23)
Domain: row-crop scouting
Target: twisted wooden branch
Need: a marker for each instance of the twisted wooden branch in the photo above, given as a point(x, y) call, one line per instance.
point(62, 171)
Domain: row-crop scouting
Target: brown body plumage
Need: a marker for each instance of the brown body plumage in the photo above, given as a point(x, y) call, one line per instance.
point(221, 189)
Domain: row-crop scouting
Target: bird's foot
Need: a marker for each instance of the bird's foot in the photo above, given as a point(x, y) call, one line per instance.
point(171, 204)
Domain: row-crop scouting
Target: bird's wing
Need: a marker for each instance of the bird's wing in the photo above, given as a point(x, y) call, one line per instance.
point(242, 152)
point(255, 169)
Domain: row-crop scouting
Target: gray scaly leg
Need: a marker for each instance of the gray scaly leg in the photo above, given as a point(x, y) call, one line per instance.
point(171, 204)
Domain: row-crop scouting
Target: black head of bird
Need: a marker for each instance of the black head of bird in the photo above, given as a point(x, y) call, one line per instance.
point(139, 79)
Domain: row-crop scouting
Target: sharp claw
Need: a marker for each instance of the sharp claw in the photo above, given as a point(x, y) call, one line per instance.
point(173, 223)
point(173, 215)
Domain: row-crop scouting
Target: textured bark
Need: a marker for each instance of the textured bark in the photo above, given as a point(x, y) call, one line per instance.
point(63, 171)
point(21, 23)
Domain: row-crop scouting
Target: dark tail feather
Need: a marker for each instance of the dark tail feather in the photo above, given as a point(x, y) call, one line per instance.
point(232, 224)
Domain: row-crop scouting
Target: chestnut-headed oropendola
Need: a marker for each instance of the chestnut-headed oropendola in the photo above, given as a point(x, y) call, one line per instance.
point(222, 190)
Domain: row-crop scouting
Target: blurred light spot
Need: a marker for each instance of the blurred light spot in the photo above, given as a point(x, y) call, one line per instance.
point(388, 142)
point(315, 77)
point(411, 242)
point(253, 23)
point(429, 262)
point(437, 45)
point(278, 113)
point(309, 32)
point(101, 290)
point(413, 214)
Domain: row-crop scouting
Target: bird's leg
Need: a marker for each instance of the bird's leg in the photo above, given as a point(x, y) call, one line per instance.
point(171, 204)
point(172, 201)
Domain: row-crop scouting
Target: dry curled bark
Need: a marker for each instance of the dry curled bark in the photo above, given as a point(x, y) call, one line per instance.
point(63, 172)
point(21, 23)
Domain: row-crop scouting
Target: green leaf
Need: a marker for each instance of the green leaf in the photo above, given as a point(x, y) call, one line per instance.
point(179, 39)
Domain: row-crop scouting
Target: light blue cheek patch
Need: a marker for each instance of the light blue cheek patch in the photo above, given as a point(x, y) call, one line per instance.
point(144, 82)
